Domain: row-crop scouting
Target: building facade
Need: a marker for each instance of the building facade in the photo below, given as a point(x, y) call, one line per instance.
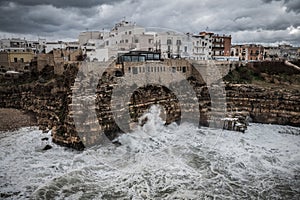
point(248, 52)
point(221, 45)
point(16, 60)
point(202, 46)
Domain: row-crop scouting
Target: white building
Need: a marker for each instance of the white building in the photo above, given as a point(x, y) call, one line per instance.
point(178, 45)
point(21, 45)
point(54, 45)
point(202, 46)
point(126, 36)
point(170, 44)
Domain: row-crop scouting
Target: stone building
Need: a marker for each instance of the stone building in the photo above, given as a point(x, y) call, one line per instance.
point(84, 37)
point(57, 58)
point(271, 53)
point(248, 52)
point(17, 44)
point(16, 60)
point(279, 52)
point(221, 46)
point(288, 52)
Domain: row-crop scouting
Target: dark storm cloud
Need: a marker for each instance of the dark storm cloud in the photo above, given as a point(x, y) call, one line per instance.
point(44, 19)
point(291, 5)
point(255, 20)
point(60, 3)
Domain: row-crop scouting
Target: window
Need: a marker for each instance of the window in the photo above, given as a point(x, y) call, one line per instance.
point(135, 58)
point(126, 41)
point(183, 69)
point(136, 41)
point(185, 49)
point(129, 32)
point(178, 42)
point(135, 70)
point(156, 56)
point(127, 58)
point(169, 42)
point(22, 60)
point(150, 56)
point(15, 59)
point(142, 58)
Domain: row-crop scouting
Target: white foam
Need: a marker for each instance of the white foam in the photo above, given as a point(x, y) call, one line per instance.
point(155, 161)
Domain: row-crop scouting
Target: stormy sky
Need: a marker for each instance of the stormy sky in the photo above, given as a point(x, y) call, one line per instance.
point(248, 21)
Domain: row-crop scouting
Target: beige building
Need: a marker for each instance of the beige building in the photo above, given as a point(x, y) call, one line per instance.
point(57, 58)
point(15, 60)
point(248, 52)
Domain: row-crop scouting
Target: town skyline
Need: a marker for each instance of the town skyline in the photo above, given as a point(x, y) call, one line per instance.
point(259, 21)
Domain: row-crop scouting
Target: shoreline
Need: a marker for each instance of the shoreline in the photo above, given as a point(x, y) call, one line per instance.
point(12, 119)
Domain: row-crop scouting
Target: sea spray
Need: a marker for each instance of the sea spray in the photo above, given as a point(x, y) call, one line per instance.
point(156, 161)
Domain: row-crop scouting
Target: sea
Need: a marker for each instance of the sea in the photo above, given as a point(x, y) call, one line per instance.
point(155, 161)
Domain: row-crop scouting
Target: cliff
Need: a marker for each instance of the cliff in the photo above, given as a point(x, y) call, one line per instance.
point(51, 97)
point(268, 91)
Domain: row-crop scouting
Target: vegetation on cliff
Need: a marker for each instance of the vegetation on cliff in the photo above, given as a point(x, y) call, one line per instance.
point(268, 74)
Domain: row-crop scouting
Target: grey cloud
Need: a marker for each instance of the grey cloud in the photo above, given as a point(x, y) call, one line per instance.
point(56, 18)
point(61, 3)
point(291, 5)
point(43, 19)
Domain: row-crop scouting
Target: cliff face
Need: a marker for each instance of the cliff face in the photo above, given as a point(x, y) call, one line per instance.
point(51, 97)
point(265, 105)
point(45, 95)
point(268, 91)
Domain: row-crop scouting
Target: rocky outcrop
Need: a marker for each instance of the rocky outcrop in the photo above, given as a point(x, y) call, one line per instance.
point(64, 103)
point(46, 97)
point(265, 105)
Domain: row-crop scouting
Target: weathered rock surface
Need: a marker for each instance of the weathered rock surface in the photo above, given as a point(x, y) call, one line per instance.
point(73, 125)
point(265, 105)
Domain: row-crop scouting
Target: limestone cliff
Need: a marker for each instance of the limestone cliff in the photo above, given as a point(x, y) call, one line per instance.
point(49, 95)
